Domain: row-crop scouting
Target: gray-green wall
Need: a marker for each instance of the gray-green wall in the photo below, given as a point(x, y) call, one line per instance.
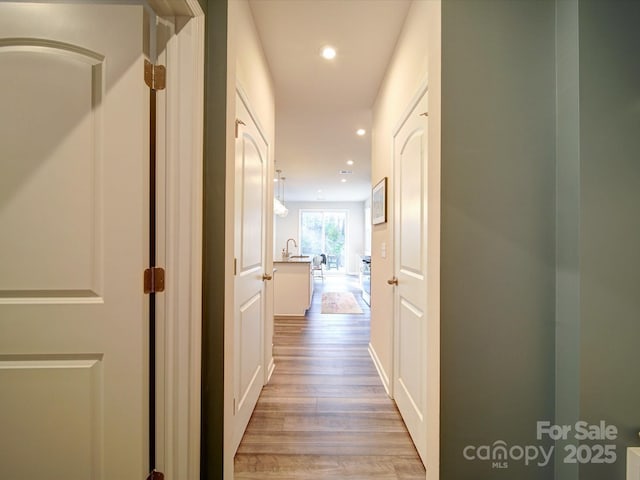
point(540, 227)
point(609, 81)
point(213, 239)
point(567, 230)
point(498, 230)
point(598, 226)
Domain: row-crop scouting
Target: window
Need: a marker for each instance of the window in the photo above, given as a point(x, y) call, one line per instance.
point(325, 231)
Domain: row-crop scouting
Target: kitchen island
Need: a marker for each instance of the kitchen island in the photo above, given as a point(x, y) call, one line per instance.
point(293, 286)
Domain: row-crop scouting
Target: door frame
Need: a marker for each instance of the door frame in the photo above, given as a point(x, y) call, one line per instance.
point(235, 88)
point(180, 306)
point(179, 333)
point(432, 331)
point(241, 95)
point(267, 264)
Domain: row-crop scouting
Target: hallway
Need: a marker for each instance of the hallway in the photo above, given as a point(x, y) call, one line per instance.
point(325, 413)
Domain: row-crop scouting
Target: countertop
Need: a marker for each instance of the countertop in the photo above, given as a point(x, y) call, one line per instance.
point(294, 259)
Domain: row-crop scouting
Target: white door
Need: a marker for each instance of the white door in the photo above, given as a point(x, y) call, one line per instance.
point(250, 262)
point(73, 242)
point(410, 267)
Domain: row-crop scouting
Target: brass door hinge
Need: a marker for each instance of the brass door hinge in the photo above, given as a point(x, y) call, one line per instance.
point(235, 266)
point(155, 76)
point(238, 123)
point(154, 280)
point(155, 475)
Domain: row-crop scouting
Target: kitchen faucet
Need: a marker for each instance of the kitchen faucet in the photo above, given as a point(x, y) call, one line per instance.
point(286, 252)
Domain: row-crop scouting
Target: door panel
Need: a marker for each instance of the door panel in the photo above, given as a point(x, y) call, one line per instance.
point(250, 361)
point(50, 175)
point(68, 427)
point(73, 209)
point(252, 198)
point(411, 206)
point(249, 321)
point(410, 185)
point(409, 369)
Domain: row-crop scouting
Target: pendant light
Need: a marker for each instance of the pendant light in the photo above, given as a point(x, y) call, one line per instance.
point(278, 201)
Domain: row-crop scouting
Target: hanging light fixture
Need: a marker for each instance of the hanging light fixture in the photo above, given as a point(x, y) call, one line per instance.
point(278, 201)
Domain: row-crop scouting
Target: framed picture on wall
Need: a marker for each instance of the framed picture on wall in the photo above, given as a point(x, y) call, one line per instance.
point(379, 202)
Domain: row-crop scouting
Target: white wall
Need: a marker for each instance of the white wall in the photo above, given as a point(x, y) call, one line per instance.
point(406, 72)
point(289, 226)
point(247, 68)
point(416, 61)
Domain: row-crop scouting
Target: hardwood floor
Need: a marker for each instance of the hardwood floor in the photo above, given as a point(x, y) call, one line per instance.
point(325, 414)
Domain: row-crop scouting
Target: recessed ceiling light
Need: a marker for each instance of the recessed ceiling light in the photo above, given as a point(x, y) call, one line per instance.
point(344, 180)
point(349, 162)
point(319, 190)
point(361, 131)
point(329, 53)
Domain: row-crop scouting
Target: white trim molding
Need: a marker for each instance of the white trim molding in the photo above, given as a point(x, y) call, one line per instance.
point(179, 412)
point(381, 373)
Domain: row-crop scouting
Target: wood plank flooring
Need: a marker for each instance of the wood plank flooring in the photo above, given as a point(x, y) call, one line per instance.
point(325, 414)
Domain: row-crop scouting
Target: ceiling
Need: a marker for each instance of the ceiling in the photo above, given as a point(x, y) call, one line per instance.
point(321, 103)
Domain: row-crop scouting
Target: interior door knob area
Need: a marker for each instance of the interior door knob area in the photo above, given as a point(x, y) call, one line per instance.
point(393, 281)
point(266, 276)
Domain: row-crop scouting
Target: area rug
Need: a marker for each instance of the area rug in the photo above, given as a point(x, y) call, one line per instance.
point(339, 302)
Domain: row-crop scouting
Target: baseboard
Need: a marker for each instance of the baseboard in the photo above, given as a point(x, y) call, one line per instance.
point(270, 369)
point(381, 373)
